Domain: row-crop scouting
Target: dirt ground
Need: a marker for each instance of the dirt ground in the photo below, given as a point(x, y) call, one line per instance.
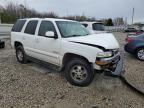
point(33, 86)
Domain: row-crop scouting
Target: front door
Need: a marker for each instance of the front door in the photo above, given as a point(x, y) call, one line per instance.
point(47, 49)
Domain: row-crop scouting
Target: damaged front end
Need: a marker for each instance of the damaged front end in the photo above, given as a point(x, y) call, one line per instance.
point(112, 66)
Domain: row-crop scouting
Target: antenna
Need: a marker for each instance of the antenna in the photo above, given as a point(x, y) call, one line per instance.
point(25, 7)
point(133, 15)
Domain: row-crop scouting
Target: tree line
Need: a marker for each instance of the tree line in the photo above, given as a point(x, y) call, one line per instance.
point(11, 12)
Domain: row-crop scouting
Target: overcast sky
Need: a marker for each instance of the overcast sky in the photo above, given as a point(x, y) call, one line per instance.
point(96, 8)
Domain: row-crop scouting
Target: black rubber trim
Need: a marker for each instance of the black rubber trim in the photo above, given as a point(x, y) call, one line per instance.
point(96, 46)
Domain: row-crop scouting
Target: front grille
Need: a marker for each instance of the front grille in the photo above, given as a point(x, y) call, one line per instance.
point(115, 51)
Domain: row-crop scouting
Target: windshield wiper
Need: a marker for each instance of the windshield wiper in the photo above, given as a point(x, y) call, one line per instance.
point(86, 34)
point(74, 35)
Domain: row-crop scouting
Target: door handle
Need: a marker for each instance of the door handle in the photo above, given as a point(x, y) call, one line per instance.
point(23, 38)
point(37, 40)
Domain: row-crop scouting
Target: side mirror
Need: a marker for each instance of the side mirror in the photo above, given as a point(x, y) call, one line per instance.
point(50, 34)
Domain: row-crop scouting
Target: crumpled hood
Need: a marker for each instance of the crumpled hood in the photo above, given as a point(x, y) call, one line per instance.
point(106, 40)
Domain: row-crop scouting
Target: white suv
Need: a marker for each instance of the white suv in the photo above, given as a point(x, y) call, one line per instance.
point(94, 27)
point(68, 45)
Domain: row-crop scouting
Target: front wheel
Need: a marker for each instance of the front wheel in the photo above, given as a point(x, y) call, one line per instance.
point(79, 72)
point(140, 54)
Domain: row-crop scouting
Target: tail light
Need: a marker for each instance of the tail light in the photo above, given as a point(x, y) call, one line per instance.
point(129, 39)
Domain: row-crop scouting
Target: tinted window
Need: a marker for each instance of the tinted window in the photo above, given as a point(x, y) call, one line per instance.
point(46, 26)
point(85, 25)
point(98, 26)
point(141, 35)
point(131, 28)
point(31, 27)
point(18, 25)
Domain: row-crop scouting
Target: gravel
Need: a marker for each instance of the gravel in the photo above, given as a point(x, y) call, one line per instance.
point(34, 86)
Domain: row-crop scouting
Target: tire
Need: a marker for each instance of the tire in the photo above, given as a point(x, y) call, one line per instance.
point(2, 44)
point(20, 55)
point(140, 54)
point(78, 72)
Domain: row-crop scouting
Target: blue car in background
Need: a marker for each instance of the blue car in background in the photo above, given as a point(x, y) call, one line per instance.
point(136, 46)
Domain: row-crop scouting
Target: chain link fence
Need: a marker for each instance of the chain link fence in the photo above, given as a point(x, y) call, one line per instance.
point(115, 28)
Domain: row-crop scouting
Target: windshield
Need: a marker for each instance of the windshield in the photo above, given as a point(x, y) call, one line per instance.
point(140, 35)
point(71, 29)
point(98, 27)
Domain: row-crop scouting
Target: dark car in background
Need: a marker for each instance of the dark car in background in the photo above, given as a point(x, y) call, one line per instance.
point(132, 35)
point(130, 29)
point(135, 46)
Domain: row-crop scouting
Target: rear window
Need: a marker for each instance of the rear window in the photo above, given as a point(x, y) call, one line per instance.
point(31, 27)
point(132, 28)
point(98, 26)
point(85, 25)
point(140, 35)
point(18, 25)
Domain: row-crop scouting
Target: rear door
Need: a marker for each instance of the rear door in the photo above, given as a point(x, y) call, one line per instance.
point(29, 37)
point(46, 48)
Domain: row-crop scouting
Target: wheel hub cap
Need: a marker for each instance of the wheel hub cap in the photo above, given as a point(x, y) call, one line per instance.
point(20, 55)
point(79, 73)
point(141, 54)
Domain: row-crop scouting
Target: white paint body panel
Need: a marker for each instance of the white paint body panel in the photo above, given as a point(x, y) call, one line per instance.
point(53, 50)
point(90, 28)
point(106, 40)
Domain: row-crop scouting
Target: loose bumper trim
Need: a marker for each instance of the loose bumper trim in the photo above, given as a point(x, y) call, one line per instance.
point(119, 68)
point(114, 65)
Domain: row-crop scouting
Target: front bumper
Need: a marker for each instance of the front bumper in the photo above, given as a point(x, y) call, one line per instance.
point(117, 68)
point(114, 65)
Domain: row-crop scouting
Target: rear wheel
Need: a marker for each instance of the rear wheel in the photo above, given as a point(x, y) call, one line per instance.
point(140, 54)
point(2, 44)
point(78, 72)
point(20, 55)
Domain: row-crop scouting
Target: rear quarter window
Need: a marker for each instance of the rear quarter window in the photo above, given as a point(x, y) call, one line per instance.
point(98, 26)
point(18, 26)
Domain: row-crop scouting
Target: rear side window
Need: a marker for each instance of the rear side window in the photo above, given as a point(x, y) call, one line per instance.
point(18, 25)
point(85, 25)
point(46, 26)
point(31, 27)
